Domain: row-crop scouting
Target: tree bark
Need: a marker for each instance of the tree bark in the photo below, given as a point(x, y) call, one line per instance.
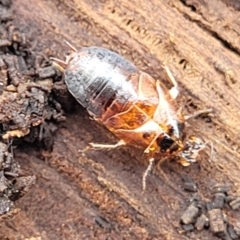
point(98, 195)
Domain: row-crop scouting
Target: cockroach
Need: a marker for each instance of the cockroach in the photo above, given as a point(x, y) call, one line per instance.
point(139, 110)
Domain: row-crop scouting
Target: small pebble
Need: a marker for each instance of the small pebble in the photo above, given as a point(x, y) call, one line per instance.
point(209, 206)
point(188, 227)
point(190, 215)
point(216, 222)
point(218, 201)
point(221, 188)
point(229, 198)
point(189, 184)
point(46, 72)
point(201, 222)
point(235, 204)
point(236, 228)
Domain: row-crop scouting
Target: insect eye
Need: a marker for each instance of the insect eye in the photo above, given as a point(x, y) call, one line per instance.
point(164, 143)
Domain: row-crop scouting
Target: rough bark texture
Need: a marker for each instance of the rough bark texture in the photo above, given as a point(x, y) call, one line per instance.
point(99, 195)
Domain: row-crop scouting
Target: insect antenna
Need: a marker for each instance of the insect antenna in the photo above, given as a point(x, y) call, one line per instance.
point(70, 46)
point(168, 181)
point(210, 143)
point(60, 64)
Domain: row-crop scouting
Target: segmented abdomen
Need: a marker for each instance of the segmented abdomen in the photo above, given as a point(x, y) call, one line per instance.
point(98, 77)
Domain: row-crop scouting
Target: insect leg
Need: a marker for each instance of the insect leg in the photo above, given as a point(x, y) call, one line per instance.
point(204, 111)
point(70, 46)
point(109, 146)
point(147, 171)
point(174, 90)
point(60, 64)
point(103, 146)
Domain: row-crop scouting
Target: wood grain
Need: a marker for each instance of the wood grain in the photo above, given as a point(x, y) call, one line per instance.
point(99, 195)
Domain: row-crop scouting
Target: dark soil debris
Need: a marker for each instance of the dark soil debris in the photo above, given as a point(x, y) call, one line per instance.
point(13, 183)
point(216, 221)
point(213, 215)
point(6, 3)
point(5, 14)
point(33, 96)
point(26, 106)
point(190, 215)
point(189, 184)
point(235, 204)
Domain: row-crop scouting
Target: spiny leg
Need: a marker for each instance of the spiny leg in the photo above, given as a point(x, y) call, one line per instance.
point(197, 113)
point(103, 146)
point(60, 64)
point(147, 171)
point(174, 90)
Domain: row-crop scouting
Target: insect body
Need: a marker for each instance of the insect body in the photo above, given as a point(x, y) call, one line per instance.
point(139, 110)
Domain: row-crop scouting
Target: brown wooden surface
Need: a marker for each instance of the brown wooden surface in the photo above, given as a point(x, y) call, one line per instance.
point(200, 43)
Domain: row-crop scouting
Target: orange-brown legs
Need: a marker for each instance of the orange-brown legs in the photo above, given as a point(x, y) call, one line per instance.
point(174, 90)
point(174, 93)
point(104, 146)
point(60, 64)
